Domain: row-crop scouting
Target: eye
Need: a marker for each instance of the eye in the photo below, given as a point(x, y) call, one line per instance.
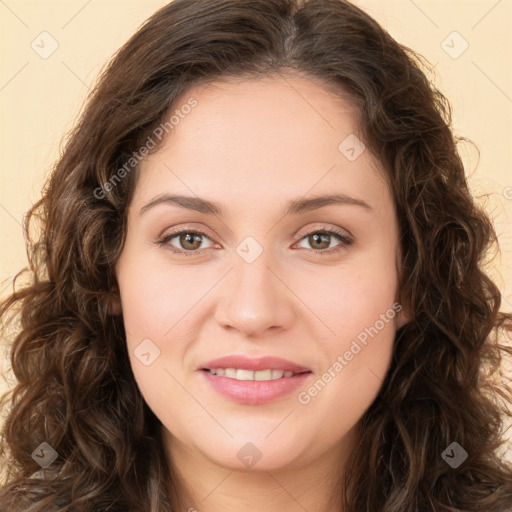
point(321, 239)
point(189, 240)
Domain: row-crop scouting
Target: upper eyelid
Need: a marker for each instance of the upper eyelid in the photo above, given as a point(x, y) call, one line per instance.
point(301, 232)
point(306, 231)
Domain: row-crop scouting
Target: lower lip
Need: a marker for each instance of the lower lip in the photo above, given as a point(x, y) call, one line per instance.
point(255, 392)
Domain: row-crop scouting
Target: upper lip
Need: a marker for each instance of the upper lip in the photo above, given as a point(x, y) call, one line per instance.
point(245, 363)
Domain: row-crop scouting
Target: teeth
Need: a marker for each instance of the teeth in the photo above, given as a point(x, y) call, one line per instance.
point(239, 374)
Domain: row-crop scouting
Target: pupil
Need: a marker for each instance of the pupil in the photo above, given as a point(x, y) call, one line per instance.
point(188, 237)
point(319, 235)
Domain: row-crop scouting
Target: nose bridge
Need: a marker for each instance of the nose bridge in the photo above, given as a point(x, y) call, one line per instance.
point(254, 299)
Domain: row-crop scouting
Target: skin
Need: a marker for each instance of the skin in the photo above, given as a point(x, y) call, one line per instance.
point(252, 146)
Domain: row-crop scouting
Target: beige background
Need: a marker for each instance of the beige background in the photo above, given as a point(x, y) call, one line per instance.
point(40, 97)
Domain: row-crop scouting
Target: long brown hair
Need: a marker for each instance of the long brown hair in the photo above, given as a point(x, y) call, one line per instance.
point(75, 388)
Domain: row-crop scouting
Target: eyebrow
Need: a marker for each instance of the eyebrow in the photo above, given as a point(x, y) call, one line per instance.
point(294, 207)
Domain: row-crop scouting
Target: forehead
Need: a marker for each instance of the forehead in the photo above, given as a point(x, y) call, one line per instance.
point(272, 138)
point(273, 113)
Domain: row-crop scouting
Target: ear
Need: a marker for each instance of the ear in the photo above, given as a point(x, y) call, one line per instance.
point(402, 319)
point(114, 302)
point(403, 316)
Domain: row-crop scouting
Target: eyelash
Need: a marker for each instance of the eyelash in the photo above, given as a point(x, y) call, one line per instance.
point(346, 241)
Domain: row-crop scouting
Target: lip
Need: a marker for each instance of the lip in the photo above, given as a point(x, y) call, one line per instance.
point(254, 392)
point(246, 363)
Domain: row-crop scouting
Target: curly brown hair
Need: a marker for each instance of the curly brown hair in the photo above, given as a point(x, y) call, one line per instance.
point(75, 388)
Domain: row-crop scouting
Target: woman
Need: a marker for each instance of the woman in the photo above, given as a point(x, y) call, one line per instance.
point(185, 344)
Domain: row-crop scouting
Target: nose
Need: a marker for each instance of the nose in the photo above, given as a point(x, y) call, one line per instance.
point(255, 298)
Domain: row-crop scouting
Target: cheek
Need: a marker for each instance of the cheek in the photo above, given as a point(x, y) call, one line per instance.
point(352, 297)
point(359, 320)
point(151, 315)
point(355, 362)
point(154, 299)
point(160, 307)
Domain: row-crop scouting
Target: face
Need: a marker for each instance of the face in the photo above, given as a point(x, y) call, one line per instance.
point(263, 273)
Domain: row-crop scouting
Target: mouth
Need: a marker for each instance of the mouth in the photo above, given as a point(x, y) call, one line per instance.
point(243, 374)
point(254, 381)
point(243, 365)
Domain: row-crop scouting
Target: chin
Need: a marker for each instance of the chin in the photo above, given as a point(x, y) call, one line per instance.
point(243, 454)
